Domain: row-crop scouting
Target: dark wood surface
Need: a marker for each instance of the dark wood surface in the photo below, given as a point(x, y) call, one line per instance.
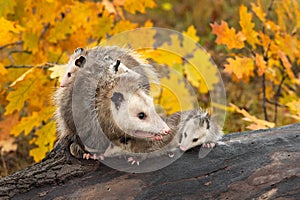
point(261, 164)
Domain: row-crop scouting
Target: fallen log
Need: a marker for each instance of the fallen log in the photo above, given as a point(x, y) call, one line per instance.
point(261, 164)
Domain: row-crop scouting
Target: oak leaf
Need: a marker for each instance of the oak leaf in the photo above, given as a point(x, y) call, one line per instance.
point(133, 6)
point(248, 26)
point(261, 64)
point(228, 36)
point(9, 31)
point(258, 10)
point(46, 137)
point(191, 32)
point(174, 95)
point(240, 66)
point(256, 123)
point(3, 71)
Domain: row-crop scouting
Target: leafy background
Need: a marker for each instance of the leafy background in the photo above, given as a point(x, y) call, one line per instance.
point(254, 43)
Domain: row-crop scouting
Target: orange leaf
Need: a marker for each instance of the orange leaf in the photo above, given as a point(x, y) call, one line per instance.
point(227, 36)
point(247, 26)
point(3, 71)
point(7, 124)
point(241, 67)
point(287, 65)
point(261, 64)
point(257, 123)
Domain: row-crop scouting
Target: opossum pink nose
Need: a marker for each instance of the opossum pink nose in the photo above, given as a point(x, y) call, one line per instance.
point(166, 130)
point(182, 148)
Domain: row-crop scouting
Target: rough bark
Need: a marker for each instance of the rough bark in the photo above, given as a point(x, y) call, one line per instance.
point(252, 165)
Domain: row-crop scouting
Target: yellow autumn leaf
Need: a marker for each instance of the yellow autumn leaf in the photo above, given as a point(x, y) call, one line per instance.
point(174, 94)
point(123, 25)
point(240, 66)
point(21, 92)
point(256, 123)
point(9, 31)
point(128, 39)
point(45, 140)
point(228, 36)
point(35, 120)
point(248, 26)
point(31, 41)
point(178, 45)
point(3, 71)
point(133, 6)
point(204, 71)
point(258, 10)
point(7, 7)
point(148, 23)
point(161, 56)
point(294, 107)
point(58, 71)
point(191, 32)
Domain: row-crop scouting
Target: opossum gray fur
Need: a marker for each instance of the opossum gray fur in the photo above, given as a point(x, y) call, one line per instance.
point(188, 129)
point(63, 96)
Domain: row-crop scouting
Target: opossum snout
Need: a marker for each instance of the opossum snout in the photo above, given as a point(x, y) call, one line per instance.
point(182, 148)
point(165, 130)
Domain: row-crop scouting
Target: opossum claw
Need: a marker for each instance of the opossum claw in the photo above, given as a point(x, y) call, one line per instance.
point(210, 145)
point(131, 160)
point(171, 155)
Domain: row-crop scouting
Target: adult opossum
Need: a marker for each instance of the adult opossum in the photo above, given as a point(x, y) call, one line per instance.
point(95, 60)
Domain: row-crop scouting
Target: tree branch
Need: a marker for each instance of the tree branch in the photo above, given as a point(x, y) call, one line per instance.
point(46, 66)
point(12, 44)
point(259, 164)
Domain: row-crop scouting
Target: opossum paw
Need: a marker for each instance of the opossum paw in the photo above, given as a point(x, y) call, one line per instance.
point(132, 161)
point(210, 145)
point(158, 137)
point(86, 156)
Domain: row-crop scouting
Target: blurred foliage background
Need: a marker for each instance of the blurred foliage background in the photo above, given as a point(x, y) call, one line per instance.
point(265, 95)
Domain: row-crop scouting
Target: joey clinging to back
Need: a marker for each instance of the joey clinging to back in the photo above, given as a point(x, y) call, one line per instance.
point(77, 60)
point(63, 99)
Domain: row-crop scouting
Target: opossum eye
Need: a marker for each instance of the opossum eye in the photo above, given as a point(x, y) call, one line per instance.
point(69, 74)
point(78, 50)
point(80, 61)
point(195, 139)
point(141, 115)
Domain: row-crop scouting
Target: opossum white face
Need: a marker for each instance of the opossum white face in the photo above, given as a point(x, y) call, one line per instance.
point(135, 114)
point(76, 62)
point(195, 131)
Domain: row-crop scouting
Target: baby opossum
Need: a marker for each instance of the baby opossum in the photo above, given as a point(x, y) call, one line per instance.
point(188, 129)
point(76, 62)
point(63, 96)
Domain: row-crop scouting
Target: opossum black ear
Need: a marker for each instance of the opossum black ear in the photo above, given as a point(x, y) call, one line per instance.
point(80, 61)
point(116, 66)
point(78, 50)
point(206, 123)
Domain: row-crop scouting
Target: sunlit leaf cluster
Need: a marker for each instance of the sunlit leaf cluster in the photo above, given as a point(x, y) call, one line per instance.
point(265, 48)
